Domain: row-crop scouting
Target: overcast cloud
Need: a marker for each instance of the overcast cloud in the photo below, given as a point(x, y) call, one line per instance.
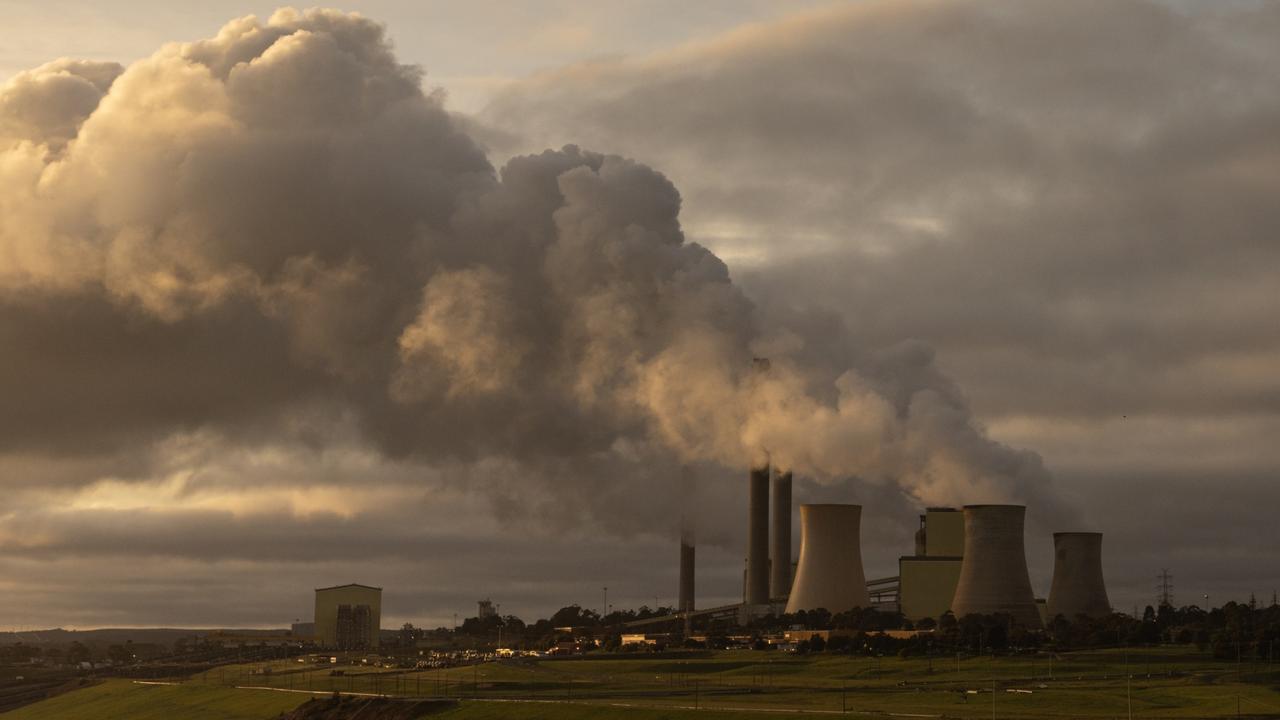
point(268, 311)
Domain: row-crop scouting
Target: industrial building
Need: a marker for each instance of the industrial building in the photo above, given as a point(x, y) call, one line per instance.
point(927, 580)
point(348, 617)
point(970, 561)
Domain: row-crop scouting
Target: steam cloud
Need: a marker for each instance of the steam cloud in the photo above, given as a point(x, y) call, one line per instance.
point(279, 221)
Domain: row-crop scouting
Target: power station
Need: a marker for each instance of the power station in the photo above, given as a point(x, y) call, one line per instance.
point(966, 561)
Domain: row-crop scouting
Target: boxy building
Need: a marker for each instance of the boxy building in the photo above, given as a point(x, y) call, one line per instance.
point(348, 617)
point(927, 580)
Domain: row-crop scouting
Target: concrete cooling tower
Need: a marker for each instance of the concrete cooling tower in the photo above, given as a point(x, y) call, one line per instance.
point(1078, 587)
point(993, 575)
point(830, 573)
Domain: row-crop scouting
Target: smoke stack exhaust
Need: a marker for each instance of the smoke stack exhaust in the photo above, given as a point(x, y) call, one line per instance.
point(830, 573)
point(1078, 586)
point(993, 575)
point(780, 537)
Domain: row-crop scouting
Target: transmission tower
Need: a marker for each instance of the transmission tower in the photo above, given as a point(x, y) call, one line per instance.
point(1165, 588)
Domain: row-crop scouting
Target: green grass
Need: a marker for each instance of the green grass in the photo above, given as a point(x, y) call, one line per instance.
point(125, 700)
point(1160, 683)
point(502, 711)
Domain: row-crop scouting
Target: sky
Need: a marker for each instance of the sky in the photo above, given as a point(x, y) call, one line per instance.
point(460, 300)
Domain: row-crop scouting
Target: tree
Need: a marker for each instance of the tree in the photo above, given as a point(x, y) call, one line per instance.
point(77, 653)
point(575, 616)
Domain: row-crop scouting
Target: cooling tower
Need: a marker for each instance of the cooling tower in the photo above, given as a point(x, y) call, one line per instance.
point(993, 575)
point(1078, 587)
point(686, 573)
point(830, 572)
point(780, 537)
point(757, 592)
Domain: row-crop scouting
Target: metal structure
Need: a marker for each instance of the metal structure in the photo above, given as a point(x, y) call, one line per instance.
point(885, 593)
point(830, 574)
point(757, 582)
point(780, 537)
point(1078, 587)
point(1165, 588)
point(993, 574)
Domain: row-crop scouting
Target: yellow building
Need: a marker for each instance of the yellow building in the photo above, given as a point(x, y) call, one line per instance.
point(927, 580)
point(348, 617)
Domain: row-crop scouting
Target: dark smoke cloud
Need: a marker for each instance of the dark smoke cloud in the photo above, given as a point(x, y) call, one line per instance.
point(1072, 202)
point(259, 233)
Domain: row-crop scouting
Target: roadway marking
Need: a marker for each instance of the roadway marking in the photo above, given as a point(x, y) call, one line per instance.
point(306, 692)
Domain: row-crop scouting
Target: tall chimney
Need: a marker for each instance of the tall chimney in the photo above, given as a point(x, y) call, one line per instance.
point(993, 574)
point(830, 573)
point(780, 537)
point(1078, 586)
point(757, 591)
point(686, 571)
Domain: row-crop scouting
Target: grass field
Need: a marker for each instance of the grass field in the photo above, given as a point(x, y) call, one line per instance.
point(1159, 683)
point(126, 700)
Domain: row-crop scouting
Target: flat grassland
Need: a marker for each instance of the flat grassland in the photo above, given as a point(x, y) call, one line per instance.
point(1169, 682)
point(127, 700)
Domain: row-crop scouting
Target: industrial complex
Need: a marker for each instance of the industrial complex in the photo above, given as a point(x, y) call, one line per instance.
point(966, 561)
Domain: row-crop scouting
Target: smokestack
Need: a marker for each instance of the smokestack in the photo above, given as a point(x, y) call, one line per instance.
point(830, 572)
point(757, 591)
point(1078, 587)
point(686, 571)
point(993, 575)
point(780, 537)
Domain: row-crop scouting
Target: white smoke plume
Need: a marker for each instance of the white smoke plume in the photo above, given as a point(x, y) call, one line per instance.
point(279, 219)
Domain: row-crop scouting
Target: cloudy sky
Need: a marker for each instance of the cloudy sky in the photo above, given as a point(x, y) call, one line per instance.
point(461, 299)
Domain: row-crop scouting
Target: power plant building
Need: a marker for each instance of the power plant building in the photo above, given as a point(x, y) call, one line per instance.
point(348, 617)
point(927, 580)
point(966, 562)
